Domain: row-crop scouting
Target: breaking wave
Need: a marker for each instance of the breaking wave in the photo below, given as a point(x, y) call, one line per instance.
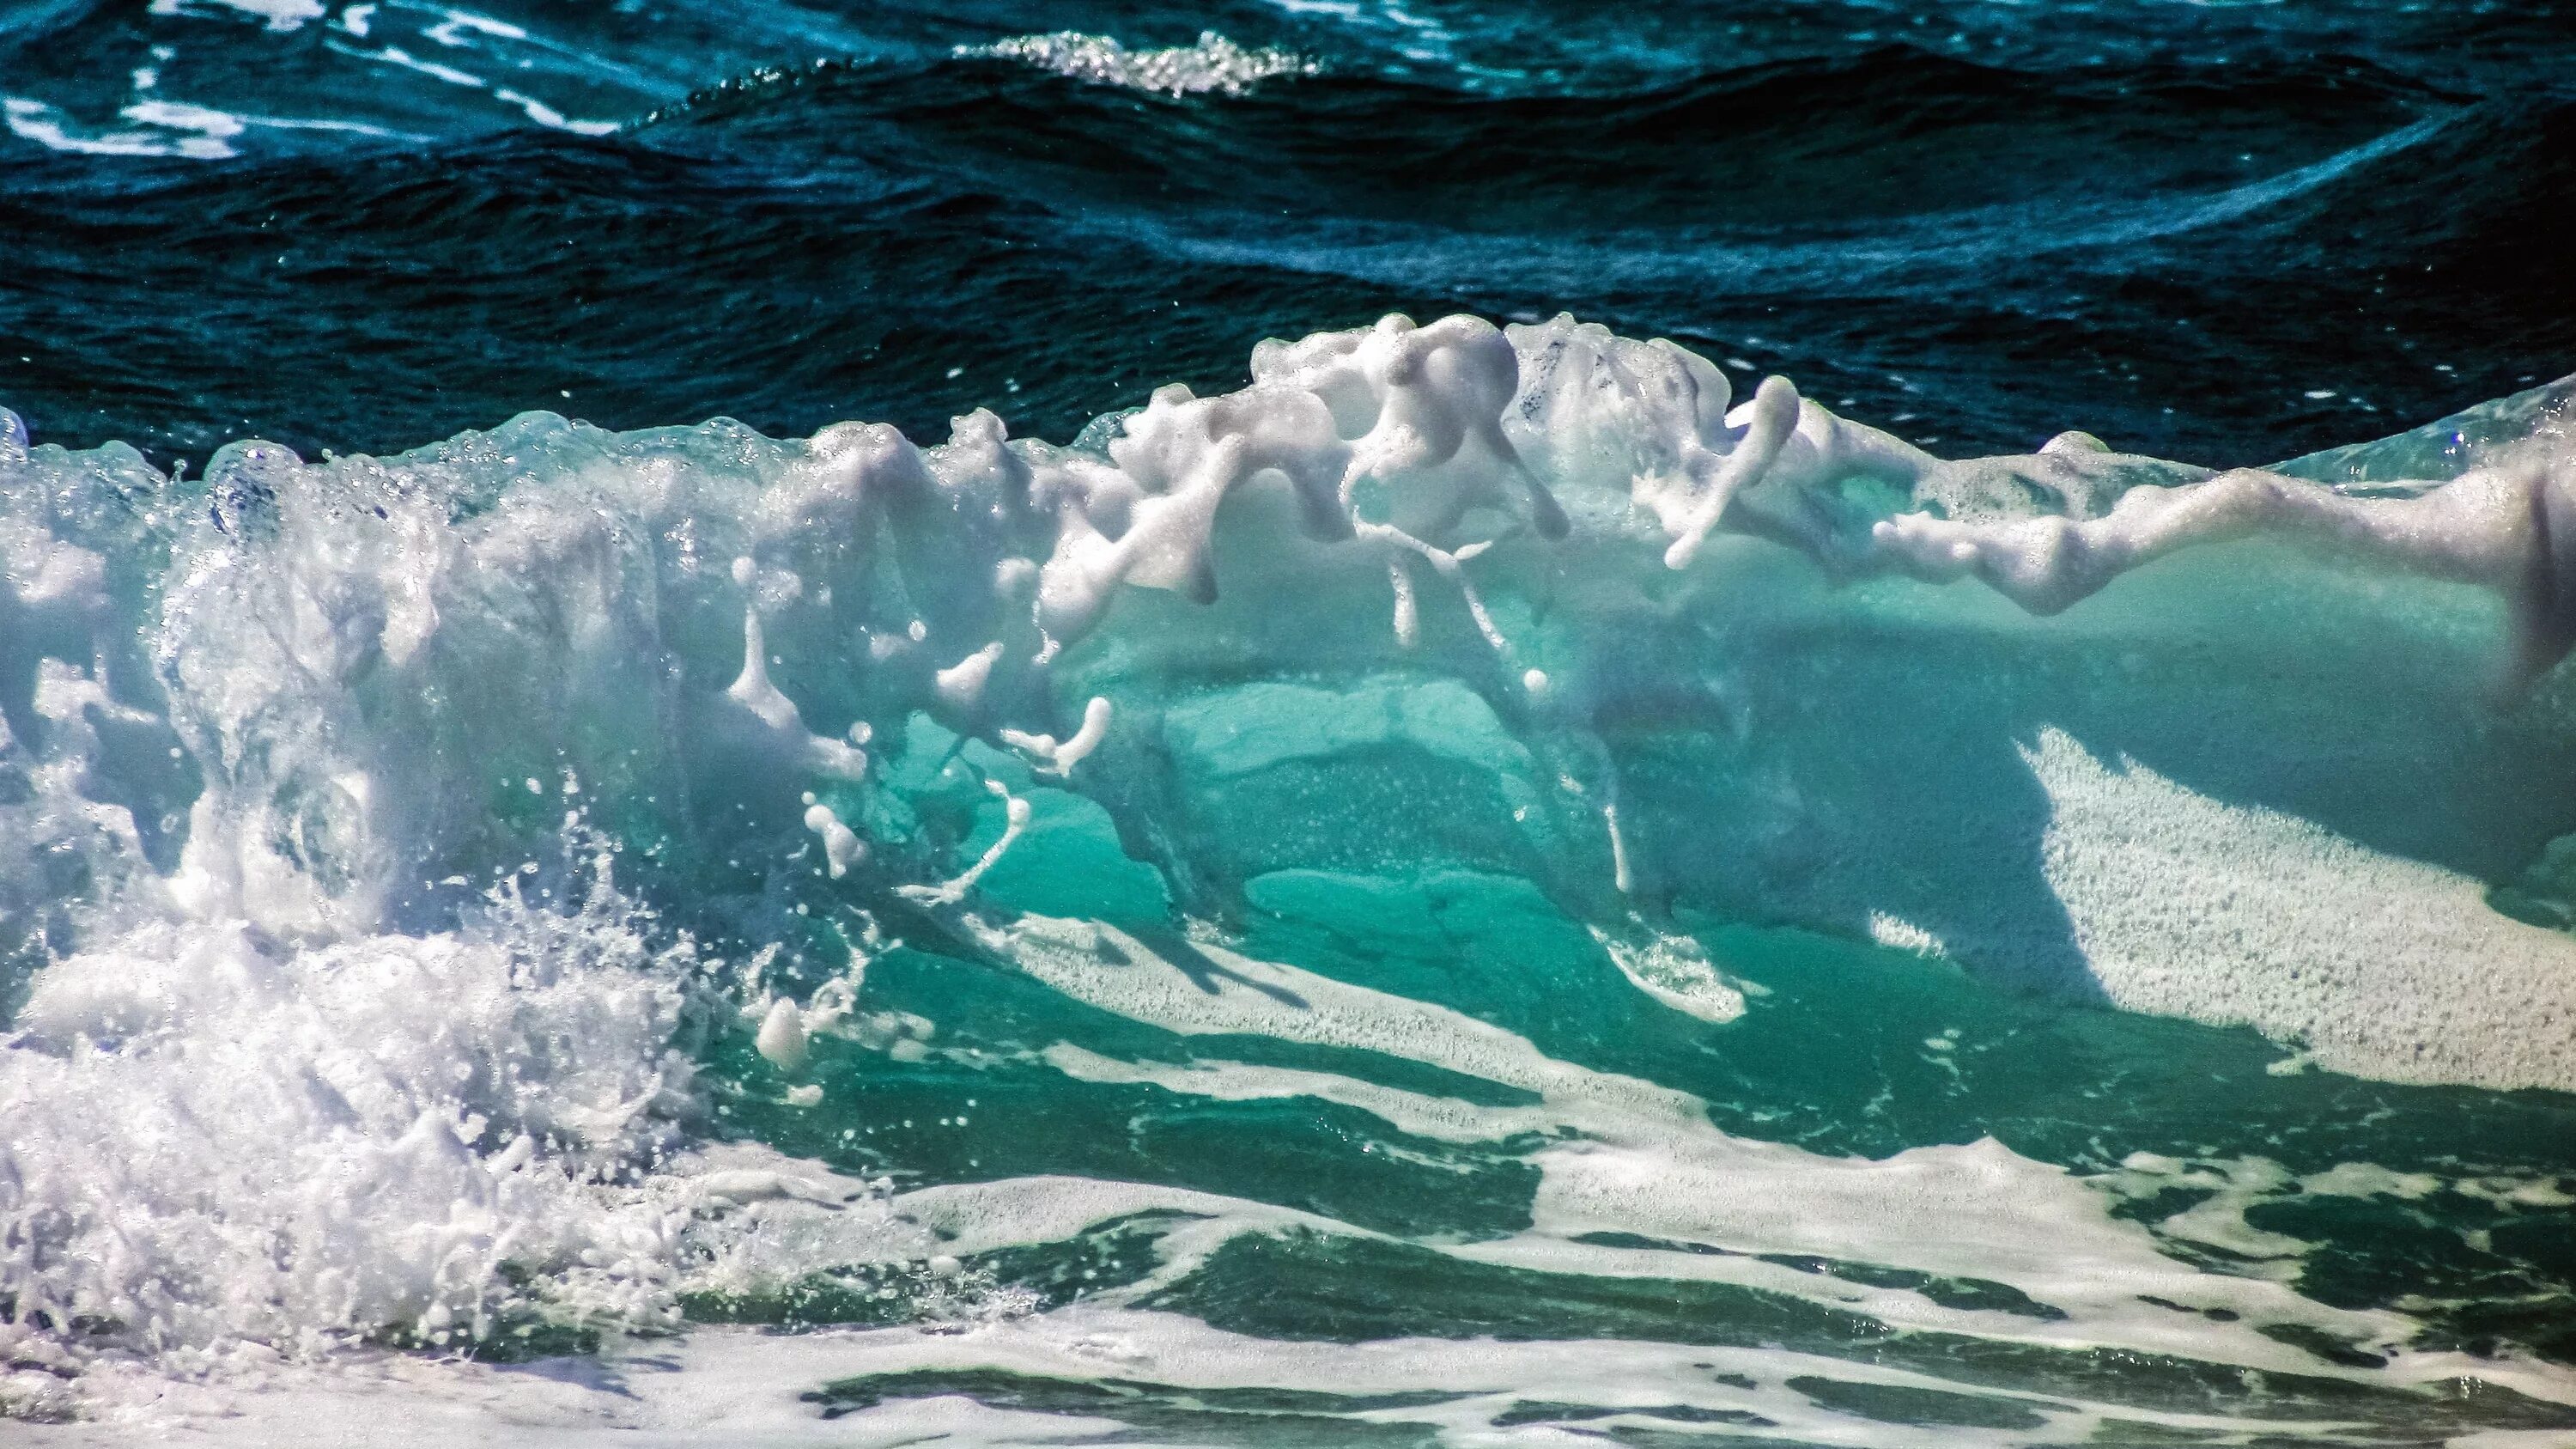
point(444, 894)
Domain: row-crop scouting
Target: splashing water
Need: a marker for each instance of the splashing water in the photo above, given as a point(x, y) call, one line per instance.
point(1485, 810)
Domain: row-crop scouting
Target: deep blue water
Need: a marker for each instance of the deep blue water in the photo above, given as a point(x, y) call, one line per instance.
point(1982, 222)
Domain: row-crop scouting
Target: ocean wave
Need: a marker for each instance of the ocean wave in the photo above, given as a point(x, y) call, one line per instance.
point(1454, 882)
point(1402, 453)
point(430, 860)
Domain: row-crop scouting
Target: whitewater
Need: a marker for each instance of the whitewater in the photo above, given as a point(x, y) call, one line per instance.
point(563, 892)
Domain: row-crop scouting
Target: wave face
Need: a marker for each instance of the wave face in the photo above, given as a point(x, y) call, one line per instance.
point(1481, 881)
point(1476, 882)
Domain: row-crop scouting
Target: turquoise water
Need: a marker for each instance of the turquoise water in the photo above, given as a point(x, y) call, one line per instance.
point(1481, 883)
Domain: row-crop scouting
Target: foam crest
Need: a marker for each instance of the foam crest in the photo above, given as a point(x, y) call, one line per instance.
point(1213, 64)
point(541, 603)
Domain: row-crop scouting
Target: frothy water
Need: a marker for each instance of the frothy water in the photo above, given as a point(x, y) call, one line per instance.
point(1213, 64)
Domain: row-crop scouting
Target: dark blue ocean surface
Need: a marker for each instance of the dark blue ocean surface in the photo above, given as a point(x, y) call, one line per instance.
point(2226, 232)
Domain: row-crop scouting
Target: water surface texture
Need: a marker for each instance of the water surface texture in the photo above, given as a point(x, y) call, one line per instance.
point(1294, 724)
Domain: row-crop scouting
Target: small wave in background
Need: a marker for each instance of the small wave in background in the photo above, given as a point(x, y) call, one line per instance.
point(2227, 232)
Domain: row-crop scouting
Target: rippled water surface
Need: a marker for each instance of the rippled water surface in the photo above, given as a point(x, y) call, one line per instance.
point(2170, 223)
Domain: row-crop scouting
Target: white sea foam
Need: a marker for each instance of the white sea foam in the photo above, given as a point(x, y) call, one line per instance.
point(1213, 64)
point(174, 128)
point(527, 105)
point(225, 1151)
point(1464, 1391)
point(1676, 971)
point(1904, 935)
point(460, 27)
point(177, 131)
point(280, 14)
point(2237, 915)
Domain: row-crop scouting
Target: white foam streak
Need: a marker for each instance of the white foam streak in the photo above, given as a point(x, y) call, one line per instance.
point(534, 109)
point(35, 121)
point(1632, 1158)
point(200, 133)
point(1214, 64)
point(1460, 1391)
point(280, 14)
